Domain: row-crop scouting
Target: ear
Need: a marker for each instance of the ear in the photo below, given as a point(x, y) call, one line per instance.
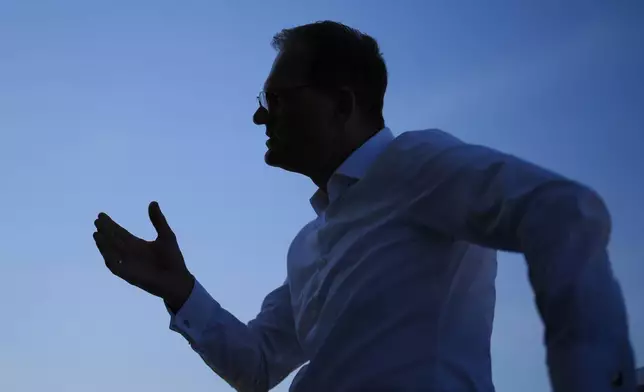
point(346, 103)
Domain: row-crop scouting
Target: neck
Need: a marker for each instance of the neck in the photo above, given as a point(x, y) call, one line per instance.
point(321, 175)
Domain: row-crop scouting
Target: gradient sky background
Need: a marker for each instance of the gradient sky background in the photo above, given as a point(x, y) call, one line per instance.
point(106, 105)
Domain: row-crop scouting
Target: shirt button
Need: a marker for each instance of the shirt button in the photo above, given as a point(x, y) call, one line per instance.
point(186, 323)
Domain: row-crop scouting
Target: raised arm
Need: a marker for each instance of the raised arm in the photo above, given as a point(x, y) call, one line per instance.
point(250, 357)
point(253, 357)
point(486, 197)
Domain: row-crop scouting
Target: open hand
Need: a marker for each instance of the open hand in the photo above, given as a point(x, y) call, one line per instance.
point(154, 266)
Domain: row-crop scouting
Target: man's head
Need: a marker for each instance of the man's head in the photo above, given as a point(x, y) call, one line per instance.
point(323, 97)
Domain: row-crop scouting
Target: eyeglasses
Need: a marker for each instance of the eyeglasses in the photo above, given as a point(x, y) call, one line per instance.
point(271, 99)
point(266, 99)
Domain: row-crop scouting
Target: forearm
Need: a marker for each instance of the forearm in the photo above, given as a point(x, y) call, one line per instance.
point(564, 235)
point(253, 357)
point(228, 346)
point(587, 337)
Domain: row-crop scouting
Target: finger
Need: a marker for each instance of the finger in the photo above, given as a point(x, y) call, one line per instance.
point(112, 231)
point(111, 237)
point(110, 255)
point(159, 222)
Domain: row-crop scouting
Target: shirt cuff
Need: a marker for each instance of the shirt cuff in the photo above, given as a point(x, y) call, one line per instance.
point(592, 368)
point(195, 315)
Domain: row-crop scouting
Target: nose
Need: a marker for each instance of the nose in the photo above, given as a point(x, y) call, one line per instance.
point(261, 116)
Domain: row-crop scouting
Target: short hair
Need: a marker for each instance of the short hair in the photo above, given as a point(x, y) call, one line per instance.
point(342, 56)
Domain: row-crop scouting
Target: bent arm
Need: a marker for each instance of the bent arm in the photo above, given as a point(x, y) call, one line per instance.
point(250, 357)
point(496, 200)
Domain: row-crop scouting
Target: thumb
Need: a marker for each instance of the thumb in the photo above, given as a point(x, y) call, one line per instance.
point(158, 221)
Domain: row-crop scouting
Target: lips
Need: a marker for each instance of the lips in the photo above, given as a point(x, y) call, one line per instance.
point(270, 142)
point(271, 138)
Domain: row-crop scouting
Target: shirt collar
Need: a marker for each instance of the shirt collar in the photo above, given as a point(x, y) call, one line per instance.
point(352, 169)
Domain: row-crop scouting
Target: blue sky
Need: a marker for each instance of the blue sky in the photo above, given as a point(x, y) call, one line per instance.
point(105, 106)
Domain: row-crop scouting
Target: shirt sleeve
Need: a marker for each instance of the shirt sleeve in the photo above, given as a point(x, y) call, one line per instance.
point(480, 195)
point(250, 357)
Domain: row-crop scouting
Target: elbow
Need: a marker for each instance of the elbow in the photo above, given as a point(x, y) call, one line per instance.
point(596, 214)
point(568, 212)
point(589, 214)
point(582, 212)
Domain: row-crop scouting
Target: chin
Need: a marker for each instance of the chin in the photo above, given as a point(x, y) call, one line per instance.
point(277, 159)
point(271, 158)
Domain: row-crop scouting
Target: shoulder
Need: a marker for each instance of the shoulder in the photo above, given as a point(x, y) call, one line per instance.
point(434, 139)
point(441, 151)
point(413, 149)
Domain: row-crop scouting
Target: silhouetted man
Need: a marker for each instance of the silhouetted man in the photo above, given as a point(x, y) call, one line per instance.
point(391, 287)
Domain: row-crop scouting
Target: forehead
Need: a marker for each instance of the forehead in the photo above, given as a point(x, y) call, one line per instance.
point(288, 70)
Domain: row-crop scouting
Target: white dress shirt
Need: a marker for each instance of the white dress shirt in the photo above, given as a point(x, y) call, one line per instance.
point(391, 287)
